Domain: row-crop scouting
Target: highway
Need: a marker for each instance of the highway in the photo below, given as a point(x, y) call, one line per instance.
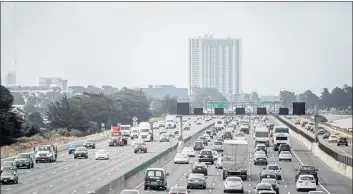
point(344, 150)
point(330, 182)
point(69, 175)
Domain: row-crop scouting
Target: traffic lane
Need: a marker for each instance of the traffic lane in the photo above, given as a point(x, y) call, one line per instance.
point(93, 185)
point(329, 180)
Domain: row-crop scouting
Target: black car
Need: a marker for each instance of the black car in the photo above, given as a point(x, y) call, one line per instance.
point(81, 152)
point(260, 160)
point(24, 160)
point(196, 180)
point(273, 182)
point(204, 140)
point(198, 145)
point(227, 135)
point(9, 176)
point(206, 156)
point(284, 147)
point(89, 144)
point(200, 168)
point(342, 141)
point(307, 170)
point(268, 174)
point(326, 135)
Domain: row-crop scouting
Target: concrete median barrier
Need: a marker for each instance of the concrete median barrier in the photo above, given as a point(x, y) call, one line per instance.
point(135, 176)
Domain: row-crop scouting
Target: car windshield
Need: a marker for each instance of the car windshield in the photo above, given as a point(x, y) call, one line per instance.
point(135, 131)
point(196, 176)
point(101, 151)
point(270, 181)
point(307, 178)
point(43, 148)
point(155, 173)
point(240, 135)
point(203, 137)
point(206, 153)
point(218, 143)
point(22, 156)
point(6, 167)
point(219, 122)
point(8, 173)
point(180, 155)
point(144, 130)
point(198, 143)
point(234, 179)
point(89, 141)
point(273, 168)
point(311, 168)
point(81, 149)
point(264, 187)
point(285, 153)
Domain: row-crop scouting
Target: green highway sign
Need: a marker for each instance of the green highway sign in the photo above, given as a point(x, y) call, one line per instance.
point(217, 104)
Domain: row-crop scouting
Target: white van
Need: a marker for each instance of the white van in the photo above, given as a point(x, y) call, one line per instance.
point(135, 132)
point(219, 124)
point(125, 130)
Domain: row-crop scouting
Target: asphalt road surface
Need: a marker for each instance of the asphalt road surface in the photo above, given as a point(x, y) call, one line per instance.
point(68, 175)
point(330, 182)
point(343, 150)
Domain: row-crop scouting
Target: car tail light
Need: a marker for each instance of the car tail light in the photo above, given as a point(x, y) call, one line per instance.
point(313, 181)
point(300, 181)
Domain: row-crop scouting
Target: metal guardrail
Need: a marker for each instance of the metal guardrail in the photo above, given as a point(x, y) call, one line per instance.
point(338, 157)
point(341, 158)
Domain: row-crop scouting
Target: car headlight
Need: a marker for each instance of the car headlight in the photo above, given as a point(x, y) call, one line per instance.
point(50, 155)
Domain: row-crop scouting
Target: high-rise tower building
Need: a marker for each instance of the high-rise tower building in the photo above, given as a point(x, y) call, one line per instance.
point(215, 63)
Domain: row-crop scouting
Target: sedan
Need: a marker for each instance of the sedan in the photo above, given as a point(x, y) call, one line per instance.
point(102, 154)
point(260, 159)
point(89, 144)
point(81, 152)
point(215, 155)
point(200, 168)
point(268, 174)
point(305, 182)
point(136, 141)
point(189, 151)
point(178, 190)
point(233, 184)
point(333, 139)
point(263, 187)
point(8, 165)
point(196, 181)
point(129, 192)
point(181, 158)
point(276, 169)
point(164, 137)
point(217, 146)
point(273, 182)
point(342, 141)
point(285, 155)
point(9, 177)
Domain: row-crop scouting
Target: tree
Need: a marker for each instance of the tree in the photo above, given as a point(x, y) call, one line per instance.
point(338, 98)
point(18, 99)
point(287, 98)
point(201, 96)
point(309, 98)
point(169, 105)
point(29, 108)
point(10, 123)
point(325, 99)
point(77, 89)
point(36, 119)
point(255, 97)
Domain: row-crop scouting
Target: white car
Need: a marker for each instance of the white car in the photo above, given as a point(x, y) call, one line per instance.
point(240, 136)
point(217, 146)
point(233, 184)
point(129, 192)
point(285, 155)
point(207, 137)
point(316, 192)
point(102, 154)
point(333, 139)
point(136, 141)
point(305, 182)
point(219, 162)
point(181, 158)
point(189, 151)
point(215, 155)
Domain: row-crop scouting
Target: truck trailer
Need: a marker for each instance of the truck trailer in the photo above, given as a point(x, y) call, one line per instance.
point(235, 158)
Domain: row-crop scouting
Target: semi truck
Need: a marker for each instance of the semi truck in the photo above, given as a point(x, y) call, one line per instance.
point(116, 138)
point(280, 136)
point(145, 131)
point(235, 158)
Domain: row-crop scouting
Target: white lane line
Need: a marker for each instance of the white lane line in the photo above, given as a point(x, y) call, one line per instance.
point(210, 190)
point(74, 191)
point(98, 179)
point(53, 172)
point(86, 185)
point(78, 174)
point(8, 189)
point(303, 165)
point(35, 192)
point(51, 185)
point(40, 177)
point(25, 183)
point(109, 174)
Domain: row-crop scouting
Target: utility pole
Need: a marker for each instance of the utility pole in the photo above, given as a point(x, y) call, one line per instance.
point(180, 139)
point(316, 119)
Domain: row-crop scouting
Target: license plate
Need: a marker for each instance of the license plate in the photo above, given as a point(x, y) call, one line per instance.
point(154, 183)
point(5, 180)
point(43, 159)
point(21, 164)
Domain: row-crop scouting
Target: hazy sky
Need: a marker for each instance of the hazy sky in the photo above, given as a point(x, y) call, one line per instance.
point(293, 46)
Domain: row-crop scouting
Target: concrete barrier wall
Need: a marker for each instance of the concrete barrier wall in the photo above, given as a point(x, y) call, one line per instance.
point(136, 176)
point(314, 148)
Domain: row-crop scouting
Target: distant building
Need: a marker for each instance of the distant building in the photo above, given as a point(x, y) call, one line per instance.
point(10, 79)
point(160, 91)
point(215, 63)
point(53, 82)
point(270, 98)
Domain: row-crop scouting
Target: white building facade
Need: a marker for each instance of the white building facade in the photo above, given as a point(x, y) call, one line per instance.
point(215, 63)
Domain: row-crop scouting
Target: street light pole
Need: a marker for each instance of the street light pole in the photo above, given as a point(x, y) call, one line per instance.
point(180, 139)
point(316, 119)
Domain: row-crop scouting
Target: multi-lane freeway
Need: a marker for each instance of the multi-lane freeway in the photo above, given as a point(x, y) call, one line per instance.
point(329, 181)
point(344, 150)
point(68, 175)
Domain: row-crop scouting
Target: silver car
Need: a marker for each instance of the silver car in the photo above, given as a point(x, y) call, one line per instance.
point(233, 184)
point(217, 146)
point(276, 169)
point(219, 162)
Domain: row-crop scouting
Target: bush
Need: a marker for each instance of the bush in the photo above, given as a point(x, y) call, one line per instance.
point(29, 130)
point(76, 133)
point(63, 132)
point(36, 137)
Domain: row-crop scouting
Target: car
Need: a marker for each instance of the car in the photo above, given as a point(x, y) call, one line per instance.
point(215, 155)
point(284, 147)
point(129, 192)
point(187, 128)
point(178, 190)
point(276, 169)
point(310, 170)
point(155, 178)
point(260, 153)
point(204, 140)
point(189, 151)
point(333, 139)
point(207, 137)
point(23, 160)
point(9, 176)
point(164, 137)
point(170, 134)
point(321, 131)
point(217, 146)
point(240, 136)
point(81, 152)
point(206, 155)
point(198, 122)
point(140, 147)
point(219, 162)
point(198, 145)
point(260, 149)
point(200, 168)
point(8, 165)
point(209, 133)
point(263, 187)
point(267, 192)
point(181, 158)
point(326, 135)
point(297, 122)
point(316, 192)
point(260, 159)
point(268, 174)
point(342, 141)
point(89, 144)
point(273, 182)
point(72, 147)
point(305, 182)
point(285, 155)
point(196, 180)
point(233, 184)
point(134, 142)
point(260, 146)
point(227, 135)
point(102, 154)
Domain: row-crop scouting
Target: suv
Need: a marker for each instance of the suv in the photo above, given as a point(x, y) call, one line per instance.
point(227, 135)
point(307, 170)
point(140, 147)
point(342, 141)
point(206, 156)
point(89, 144)
point(200, 168)
point(284, 147)
point(198, 145)
point(23, 160)
point(155, 178)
